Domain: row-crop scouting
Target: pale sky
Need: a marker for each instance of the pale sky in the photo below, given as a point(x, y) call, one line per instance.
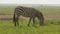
point(29, 1)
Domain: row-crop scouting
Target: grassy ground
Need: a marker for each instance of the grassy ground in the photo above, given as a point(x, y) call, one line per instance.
point(50, 26)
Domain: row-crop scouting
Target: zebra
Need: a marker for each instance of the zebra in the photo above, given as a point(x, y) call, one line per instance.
point(30, 12)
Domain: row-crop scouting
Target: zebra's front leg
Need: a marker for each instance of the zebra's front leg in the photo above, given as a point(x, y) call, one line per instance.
point(29, 21)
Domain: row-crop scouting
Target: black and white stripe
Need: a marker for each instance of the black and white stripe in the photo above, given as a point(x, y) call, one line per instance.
point(28, 12)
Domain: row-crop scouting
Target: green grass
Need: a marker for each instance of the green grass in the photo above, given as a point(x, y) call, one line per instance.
point(48, 11)
point(45, 10)
point(6, 11)
point(50, 27)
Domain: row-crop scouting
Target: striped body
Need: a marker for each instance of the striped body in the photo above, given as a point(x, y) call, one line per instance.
point(27, 12)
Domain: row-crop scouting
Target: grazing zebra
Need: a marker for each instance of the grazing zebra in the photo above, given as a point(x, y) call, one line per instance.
point(27, 12)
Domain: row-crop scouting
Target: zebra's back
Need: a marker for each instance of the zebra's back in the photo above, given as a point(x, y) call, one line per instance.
point(26, 11)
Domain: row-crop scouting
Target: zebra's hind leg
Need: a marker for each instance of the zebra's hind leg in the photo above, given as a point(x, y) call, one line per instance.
point(15, 23)
point(29, 21)
point(16, 20)
point(33, 21)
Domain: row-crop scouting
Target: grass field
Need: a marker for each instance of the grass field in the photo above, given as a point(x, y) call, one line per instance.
point(50, 26)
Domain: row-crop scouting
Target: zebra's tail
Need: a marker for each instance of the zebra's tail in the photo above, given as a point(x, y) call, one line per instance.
point(14, 18)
